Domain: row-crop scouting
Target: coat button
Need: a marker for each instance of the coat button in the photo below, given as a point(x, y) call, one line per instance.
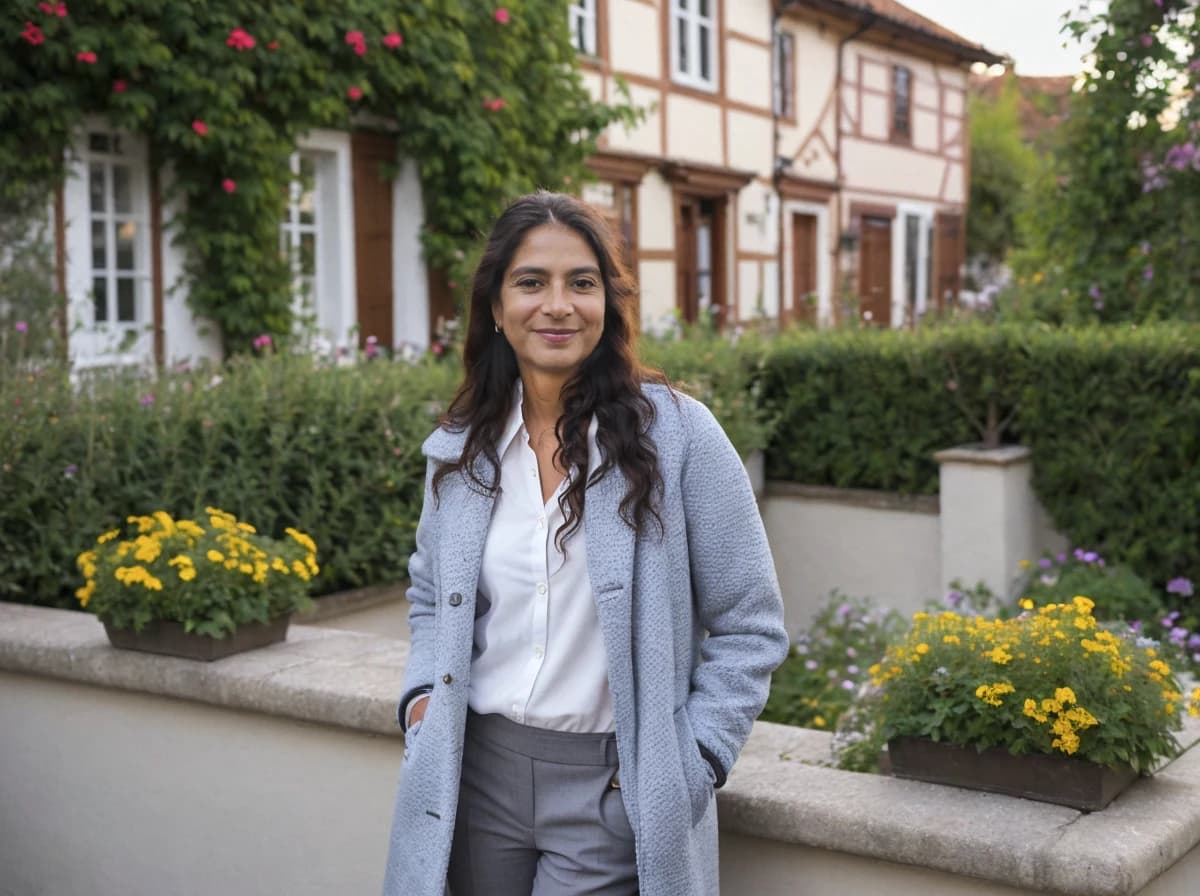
point(455, 599)
point(448, 678)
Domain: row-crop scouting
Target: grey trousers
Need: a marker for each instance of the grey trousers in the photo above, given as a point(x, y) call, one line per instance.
point(539, 814)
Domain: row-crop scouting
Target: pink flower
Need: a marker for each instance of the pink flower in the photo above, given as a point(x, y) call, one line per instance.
point(146, 400)
point(372, 347)
point(86, 56)
point(21, 326)
point(229, 185)
point(240, 39)
point(354, 92)
point(119, 86)
point(501, 15)
point(392, 41)
point(33, 34)
point(262, 341)
point(494, 105)
point(273, 45)
point(1147, 40)
point(200, 127)
point(357, 41)
point(54, 9)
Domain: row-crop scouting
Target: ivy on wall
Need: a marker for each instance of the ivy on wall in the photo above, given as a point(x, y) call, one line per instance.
point(486, 98)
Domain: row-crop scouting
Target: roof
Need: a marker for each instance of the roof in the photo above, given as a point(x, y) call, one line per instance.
point(893, 16)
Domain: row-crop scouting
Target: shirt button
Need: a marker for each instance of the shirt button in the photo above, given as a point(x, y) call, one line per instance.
point(516, 708)
point(537, 651)
point(455, 599)
point(541, 522)
point(541, 589)
point(448, 678)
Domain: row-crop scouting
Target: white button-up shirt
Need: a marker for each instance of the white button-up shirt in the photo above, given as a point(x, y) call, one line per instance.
point(539, 654)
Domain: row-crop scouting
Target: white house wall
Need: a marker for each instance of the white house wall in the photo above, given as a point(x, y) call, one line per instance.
point(187, 338)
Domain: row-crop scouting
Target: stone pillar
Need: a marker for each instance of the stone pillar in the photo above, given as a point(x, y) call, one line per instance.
point(989, 515)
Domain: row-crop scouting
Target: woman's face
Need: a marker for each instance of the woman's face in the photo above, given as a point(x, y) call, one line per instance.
point(551, 304)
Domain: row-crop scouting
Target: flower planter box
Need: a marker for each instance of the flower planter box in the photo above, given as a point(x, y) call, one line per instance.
point(1050, 779)
point(170, 639)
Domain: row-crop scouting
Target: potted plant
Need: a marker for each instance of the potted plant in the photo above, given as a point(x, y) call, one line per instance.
point(200, 589)
point(1047, 705)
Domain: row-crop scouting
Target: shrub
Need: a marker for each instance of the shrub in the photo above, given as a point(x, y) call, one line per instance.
point(332, 452)
point(1118, 592)
point(1112, 416)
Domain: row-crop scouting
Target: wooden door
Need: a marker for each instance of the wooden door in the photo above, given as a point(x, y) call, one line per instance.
point(373, 235)
point(687, 294)
point(700, 256)
point(950, 250)
point(875, 271)
point(804, 268)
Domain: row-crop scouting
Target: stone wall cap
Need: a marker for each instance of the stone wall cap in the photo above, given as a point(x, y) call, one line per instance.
point(855, 497)
point(780, 789)
point(1004, 456)
point(337, 678)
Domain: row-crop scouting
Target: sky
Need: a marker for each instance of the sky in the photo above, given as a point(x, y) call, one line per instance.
point(1026, 30)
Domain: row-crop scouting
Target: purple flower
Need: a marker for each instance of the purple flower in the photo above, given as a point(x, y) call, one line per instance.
point(848, 685)
point(811, 665)
point(1090, 557)
point(262, 341)
point(1193, 642)
point(1061, 558)
point(1148, 273)
point(1178, 636)
point(1044, 563)
point(843, 613)
point(70, 470)
point(852, 670)
point(1135, 626)
point(1181, 586)
point(21, 326)
point(954, 598)
point(1078, 554)
point(851, 652)
point(1095, 292)
point(147, 400)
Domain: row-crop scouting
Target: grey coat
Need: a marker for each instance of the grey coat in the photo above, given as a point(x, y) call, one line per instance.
point(674, 690)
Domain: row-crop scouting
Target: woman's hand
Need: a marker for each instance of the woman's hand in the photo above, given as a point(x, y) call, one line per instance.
point(417, 712)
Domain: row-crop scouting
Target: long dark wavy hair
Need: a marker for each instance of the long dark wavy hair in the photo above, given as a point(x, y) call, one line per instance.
point(607, 384)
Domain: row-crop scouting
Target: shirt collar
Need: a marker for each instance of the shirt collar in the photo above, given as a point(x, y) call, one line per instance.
point(516, 422)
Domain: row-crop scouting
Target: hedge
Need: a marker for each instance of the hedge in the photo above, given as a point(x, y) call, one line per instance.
point(1112, 416)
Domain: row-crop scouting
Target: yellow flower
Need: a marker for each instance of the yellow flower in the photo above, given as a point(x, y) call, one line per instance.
point(818, 721)
point(301, 570)
point(1064, 695)
point(998, 655)
point(1026, 604)
point(246, 527)
point(951, 639)
point(144, 523)
point(1160, 667)
point(1083, 604)
point(922, 648)
point(108, 536)
point(992, 694)
point(187, 573)
point(307, 543)
point(231, 564)
point(85, 593)
point(215, 556)
point(246, 568)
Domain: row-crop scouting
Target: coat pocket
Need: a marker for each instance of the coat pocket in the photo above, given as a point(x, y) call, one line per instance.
point(695, 766)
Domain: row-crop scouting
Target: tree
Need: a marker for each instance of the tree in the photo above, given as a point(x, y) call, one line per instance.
point(1003, 168)
point(1116, 235)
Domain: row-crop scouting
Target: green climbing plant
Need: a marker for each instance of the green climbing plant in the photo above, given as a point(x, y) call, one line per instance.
point(486, 98)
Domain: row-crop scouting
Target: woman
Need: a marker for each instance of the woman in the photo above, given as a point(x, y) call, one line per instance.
point(584, 526)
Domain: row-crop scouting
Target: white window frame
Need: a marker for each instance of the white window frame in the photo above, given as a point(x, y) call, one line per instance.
point(110, 342)
point(305, 288)
point(687, 13)
point(334, 308)
point(581, 16)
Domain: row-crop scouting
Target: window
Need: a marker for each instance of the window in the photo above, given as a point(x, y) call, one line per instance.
point(785, 81)
point(694, 43)
point(117, 213)
point(583, 26)
point(901, 104)
point(300, 232)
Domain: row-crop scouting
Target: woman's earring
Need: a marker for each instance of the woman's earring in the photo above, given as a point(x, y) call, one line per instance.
point(497, 326)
